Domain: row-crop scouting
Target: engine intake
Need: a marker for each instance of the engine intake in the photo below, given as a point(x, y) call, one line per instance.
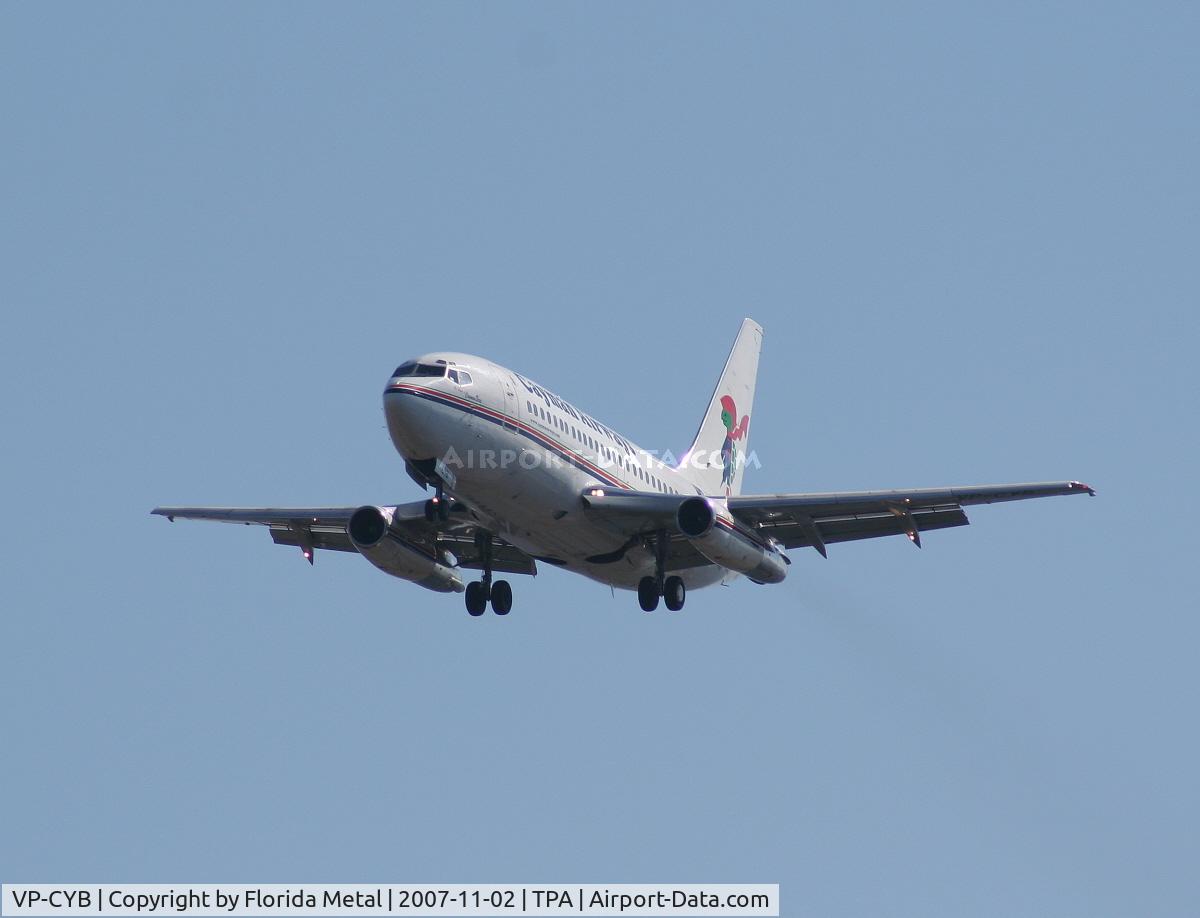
point(367, 527)
point(695, 517)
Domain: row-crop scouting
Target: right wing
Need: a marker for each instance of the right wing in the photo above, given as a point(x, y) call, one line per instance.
point(311, 528)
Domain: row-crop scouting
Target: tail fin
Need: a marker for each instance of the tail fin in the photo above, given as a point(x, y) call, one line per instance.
point(716, 460)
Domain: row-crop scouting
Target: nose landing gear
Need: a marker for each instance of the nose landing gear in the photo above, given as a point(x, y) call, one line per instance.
point(480, 592)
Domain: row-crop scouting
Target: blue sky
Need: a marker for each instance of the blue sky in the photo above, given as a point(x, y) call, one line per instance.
point(970, 234)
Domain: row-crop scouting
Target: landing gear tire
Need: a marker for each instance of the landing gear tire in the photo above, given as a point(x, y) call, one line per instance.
point(648, 594)
point(501, 597)
point(674, 593)
point(477, 598)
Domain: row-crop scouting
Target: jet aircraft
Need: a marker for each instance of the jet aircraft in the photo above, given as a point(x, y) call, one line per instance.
point(521, 476)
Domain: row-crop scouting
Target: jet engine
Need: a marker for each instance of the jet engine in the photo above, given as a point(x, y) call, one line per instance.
point(724, 543)
point(370, 529)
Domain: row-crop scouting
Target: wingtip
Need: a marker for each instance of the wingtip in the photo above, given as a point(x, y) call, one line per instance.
point(1080, 486)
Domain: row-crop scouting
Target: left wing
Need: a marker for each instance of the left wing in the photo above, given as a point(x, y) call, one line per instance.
point(796, 520)
point(311, 528)
point(816, 519)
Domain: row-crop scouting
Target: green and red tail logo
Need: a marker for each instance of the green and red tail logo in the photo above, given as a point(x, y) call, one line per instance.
point(735, 429)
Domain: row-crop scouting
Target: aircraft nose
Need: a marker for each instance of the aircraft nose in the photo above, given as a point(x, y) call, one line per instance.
point(407, 417)
point(401, 403)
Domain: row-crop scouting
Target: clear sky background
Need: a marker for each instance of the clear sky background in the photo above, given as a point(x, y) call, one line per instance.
point(971, 236)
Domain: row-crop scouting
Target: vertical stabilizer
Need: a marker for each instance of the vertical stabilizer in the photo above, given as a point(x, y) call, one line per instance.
point(716, 460)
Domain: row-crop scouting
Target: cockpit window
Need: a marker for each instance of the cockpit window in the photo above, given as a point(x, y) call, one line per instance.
point(412, 368)
point(462, 377)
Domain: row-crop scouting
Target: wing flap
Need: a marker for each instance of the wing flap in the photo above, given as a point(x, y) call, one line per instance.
point(324, 538)
point(866, 526)
point(506, 558)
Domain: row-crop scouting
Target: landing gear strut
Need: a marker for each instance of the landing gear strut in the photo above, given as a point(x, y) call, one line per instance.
point(481, 591)
point(437, 508)
point(671, 589)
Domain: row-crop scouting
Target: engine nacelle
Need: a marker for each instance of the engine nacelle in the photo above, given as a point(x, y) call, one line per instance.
point(370, 529)
point(724, 543)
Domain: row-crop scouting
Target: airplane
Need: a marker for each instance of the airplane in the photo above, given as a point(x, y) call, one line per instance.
point(521, 476)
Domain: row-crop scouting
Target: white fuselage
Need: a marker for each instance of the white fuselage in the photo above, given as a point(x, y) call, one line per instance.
point(521, 457)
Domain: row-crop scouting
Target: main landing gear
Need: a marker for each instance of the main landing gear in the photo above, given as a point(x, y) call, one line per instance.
point(480, 592)
point(671, 589)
